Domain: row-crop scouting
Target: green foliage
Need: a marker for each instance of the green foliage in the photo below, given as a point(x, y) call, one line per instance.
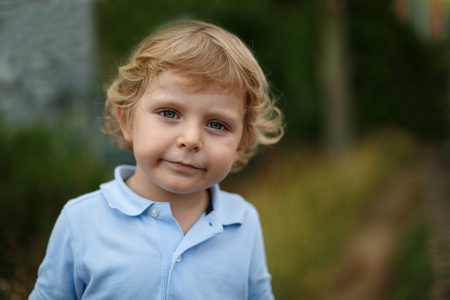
point(40, 172)
point(414, 270)
point(399, 79)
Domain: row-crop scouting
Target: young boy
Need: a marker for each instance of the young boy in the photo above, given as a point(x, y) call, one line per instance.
point(191, 104)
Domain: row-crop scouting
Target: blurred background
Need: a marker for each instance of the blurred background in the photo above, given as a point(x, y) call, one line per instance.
point(354, 201)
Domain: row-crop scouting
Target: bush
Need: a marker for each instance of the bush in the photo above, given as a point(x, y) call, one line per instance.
point(40, 172)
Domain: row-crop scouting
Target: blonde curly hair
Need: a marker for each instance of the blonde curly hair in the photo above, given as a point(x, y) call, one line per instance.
point(207, 55)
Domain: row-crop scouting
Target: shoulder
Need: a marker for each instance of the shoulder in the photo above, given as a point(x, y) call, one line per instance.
point(85, 199)
point(85, 202)
point(86, 208)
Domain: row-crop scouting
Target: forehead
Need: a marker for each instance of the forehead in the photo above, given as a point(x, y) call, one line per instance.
point(190, 85)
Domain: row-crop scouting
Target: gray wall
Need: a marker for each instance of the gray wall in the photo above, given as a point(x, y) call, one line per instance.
point(47, 63)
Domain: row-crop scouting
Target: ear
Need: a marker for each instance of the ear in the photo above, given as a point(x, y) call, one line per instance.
point(238, 154)
point(125, 127)
point(245, 142)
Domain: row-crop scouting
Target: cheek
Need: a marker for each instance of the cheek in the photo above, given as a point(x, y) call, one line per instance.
point(224, 157)
point(147, 144)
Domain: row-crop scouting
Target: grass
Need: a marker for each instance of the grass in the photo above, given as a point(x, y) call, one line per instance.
point(308, 207)
point(413, 263)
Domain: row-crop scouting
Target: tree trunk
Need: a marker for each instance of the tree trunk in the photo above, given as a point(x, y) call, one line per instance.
point(334, 77)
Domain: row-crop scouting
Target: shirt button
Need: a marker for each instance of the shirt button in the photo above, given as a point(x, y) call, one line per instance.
point(179, 258)
point(154, 212)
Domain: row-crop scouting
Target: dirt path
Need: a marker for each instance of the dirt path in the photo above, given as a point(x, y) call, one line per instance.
point(438, 208)
point(364, 273)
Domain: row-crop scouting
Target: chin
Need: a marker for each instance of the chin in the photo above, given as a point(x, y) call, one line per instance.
point(177, 189)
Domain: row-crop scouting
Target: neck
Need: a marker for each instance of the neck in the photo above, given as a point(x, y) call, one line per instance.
point(188, 211)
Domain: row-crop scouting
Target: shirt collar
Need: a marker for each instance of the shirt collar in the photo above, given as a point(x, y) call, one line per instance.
point(228, 208)
point(121, 197)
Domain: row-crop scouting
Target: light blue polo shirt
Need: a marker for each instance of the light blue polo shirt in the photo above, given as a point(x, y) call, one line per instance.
point(114, 244)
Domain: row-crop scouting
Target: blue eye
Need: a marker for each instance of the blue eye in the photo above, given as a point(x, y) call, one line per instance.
point(170, 114)
point(216, 125)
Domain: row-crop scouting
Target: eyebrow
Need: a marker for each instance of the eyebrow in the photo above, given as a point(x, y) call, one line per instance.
point(167, 101)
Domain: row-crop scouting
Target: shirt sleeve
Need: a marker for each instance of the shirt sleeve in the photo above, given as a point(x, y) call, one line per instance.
point(56, 276)
point(259, 277)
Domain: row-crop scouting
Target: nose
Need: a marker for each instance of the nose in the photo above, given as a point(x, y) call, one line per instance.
point(190, 138)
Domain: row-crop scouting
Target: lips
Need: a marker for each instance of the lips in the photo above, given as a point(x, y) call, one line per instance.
point(183, 166)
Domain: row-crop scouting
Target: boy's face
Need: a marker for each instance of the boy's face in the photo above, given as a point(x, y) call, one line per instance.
point(184, 142)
